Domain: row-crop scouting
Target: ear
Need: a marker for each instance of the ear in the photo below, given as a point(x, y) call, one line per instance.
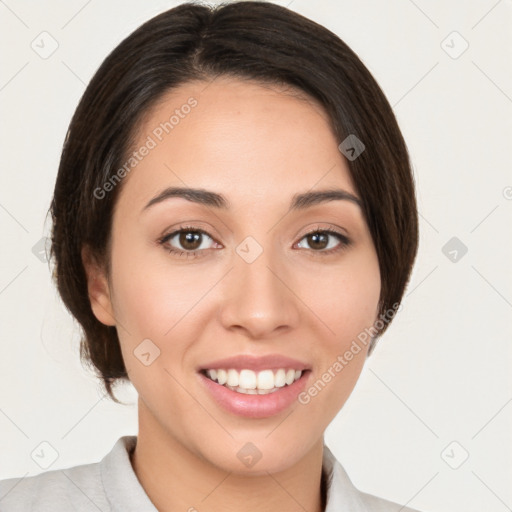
point(98, 289)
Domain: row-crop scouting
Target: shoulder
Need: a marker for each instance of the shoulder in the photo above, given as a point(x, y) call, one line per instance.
point(343, 495)
point(376, 504)
point(105, 485)
point(77, 488)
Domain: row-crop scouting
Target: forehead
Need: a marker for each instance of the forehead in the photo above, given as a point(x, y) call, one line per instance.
point(248, 141)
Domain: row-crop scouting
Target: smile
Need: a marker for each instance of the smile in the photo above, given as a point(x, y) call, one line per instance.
point(254, 383)
point(279, 390)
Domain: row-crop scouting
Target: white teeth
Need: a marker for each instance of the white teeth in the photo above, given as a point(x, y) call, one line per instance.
point(290, 376)
point(222, 376)
point(266, 379)
point(280, 378)
point(252, 383)
point(252, 391)
point(232, 378)
point(247, 379)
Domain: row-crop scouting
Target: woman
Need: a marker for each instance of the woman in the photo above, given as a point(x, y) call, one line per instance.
point(234, 225)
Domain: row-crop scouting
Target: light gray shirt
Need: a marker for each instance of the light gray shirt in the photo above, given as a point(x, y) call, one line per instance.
point(111, 485)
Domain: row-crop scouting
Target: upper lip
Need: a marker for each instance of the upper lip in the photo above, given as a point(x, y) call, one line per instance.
point(255, 363)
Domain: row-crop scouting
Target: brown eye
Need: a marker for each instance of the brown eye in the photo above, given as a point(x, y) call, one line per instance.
point(318, 240)
point(190, 240)
point(324, 241)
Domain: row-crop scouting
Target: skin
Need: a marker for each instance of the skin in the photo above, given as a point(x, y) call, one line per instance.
point(258, 146)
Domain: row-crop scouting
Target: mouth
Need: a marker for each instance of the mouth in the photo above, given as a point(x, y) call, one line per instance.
point(250, 394)
point(250, 382)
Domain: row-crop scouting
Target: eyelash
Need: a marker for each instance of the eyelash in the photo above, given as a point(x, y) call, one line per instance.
point(344, 241)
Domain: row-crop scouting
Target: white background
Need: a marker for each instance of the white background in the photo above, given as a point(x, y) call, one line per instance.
point(442, 371)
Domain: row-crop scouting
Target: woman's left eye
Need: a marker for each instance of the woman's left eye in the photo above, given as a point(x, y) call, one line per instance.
point(319, 241)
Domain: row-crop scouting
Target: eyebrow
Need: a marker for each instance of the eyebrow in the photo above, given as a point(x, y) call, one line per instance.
point(213, 199)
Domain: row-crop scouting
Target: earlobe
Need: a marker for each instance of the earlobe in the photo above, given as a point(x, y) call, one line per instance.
point(98, 289)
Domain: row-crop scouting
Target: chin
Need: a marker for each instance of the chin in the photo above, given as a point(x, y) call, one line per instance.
point(257, 455)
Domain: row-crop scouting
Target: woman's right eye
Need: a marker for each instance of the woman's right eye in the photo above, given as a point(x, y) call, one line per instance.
point(186, 241)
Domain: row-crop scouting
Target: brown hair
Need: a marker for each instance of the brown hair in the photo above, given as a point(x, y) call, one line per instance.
point(251, 40)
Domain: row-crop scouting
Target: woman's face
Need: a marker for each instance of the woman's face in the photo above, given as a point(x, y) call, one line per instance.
point(249, 281)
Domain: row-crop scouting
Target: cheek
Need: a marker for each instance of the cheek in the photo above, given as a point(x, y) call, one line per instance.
point(346, 301)
point(155, 301)
point(152, 295)
point(345, 297)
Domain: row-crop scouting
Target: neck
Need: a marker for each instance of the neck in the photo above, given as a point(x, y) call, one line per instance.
point(175, 478)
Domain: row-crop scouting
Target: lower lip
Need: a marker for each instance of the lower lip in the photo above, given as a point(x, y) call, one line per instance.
point(255, 406)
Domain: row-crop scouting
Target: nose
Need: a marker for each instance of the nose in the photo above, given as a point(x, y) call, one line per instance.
point(258, 298)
